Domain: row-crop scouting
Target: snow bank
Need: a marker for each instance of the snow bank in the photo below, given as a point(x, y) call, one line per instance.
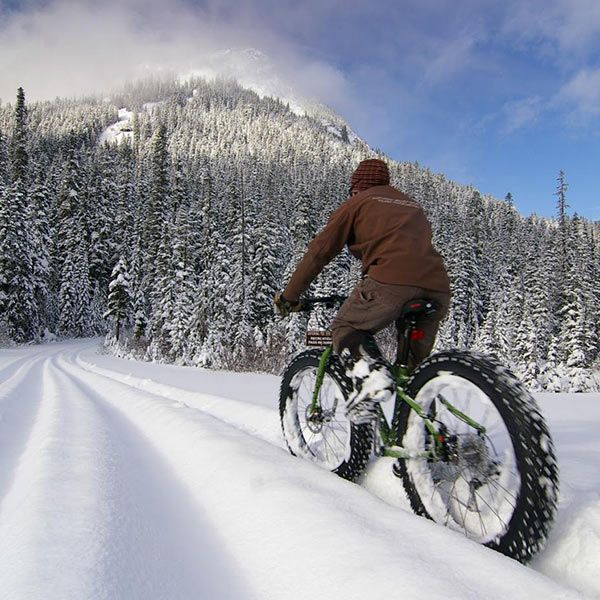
point(126, 480)
point(120, 131)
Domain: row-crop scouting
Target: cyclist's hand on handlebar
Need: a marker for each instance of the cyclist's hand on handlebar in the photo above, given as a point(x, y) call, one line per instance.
point(284, 307)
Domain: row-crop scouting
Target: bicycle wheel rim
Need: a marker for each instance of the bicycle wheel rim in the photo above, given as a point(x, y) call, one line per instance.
point(475, 489)
point(327, 443)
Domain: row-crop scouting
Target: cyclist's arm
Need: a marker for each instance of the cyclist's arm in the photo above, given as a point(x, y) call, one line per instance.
point(325, 246)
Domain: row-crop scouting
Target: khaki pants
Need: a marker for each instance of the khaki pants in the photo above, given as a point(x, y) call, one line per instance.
point(373, 306)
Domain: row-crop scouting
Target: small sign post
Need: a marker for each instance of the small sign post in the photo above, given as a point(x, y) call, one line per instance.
point(318, 339)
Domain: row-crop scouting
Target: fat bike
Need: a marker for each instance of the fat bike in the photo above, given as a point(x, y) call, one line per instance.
point(470, 444)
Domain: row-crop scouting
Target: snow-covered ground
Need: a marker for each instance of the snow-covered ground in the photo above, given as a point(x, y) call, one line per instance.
point(119, 131)
point(125, 480)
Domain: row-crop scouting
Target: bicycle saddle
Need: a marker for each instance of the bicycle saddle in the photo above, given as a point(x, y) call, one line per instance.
point(419, 307)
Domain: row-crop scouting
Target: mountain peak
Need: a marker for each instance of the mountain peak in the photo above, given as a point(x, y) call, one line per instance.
point(253, 69)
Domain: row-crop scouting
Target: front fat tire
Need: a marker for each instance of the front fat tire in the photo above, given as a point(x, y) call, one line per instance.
point(533, 448)
point(360, 436)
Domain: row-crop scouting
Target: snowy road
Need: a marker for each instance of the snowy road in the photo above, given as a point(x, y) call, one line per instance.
point(123, 480)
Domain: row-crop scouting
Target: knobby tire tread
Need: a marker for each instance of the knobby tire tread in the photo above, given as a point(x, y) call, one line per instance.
point(361, 436)
point(534, 453)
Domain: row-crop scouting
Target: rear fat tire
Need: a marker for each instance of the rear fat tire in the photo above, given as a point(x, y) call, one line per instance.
point(361, 436)
point(533, 448)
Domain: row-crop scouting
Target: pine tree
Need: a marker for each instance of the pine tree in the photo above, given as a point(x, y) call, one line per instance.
point(119, 296)
point(139, 303)
point(302, 229)
point(561, 206)
point(4, 176)
point(158, 195)
point(17, 300)
point(20, 156)
point(38, 218)
point(100, 200)
point(266, 269)
point(344, 134)
point(241, 221)
point(216, 310)
point(184, 288)
point(70, 293)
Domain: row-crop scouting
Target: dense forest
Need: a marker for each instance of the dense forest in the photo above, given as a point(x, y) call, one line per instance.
point(174, 234)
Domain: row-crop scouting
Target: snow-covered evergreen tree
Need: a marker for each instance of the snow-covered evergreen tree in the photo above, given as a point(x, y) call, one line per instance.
point(17, 300)
point(119, 296)
point(212, 198)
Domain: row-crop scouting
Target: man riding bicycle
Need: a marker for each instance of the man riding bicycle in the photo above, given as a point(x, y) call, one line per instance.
point(389, 232)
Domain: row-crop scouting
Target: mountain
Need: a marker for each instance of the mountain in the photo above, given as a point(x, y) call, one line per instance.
point(184, 230)
point(255, 71)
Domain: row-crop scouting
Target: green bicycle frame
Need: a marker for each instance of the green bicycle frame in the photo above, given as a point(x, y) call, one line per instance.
point(320, 375)
point(389, 432)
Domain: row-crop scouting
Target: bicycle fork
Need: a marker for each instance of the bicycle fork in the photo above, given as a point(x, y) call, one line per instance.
point(314, 405)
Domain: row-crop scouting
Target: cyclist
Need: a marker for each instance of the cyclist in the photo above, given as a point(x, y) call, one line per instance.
point(388, 231)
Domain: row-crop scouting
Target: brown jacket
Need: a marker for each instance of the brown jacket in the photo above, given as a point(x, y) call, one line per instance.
point(387, 231)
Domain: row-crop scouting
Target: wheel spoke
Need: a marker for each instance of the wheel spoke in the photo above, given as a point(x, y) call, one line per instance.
point(493, 510)
point(309, 441)
point(505, 496)
point(336, 437)
point(458, 503)
point(326, 446)
point(323, 437)
point(465, 481)
point(330, 447)
point(481, 523)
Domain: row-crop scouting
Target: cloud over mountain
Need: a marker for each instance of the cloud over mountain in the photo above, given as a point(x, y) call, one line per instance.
point(70, 48)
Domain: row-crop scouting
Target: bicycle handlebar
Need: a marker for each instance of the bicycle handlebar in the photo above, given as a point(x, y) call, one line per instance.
point(328, 301)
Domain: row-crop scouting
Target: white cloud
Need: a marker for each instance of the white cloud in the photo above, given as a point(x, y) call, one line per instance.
point(581, 96)
point(582, 92)
point(521, 113)
point(577, 101)
point(565, 29)
point(564, 35)
point(69, 47)
point(452, 57)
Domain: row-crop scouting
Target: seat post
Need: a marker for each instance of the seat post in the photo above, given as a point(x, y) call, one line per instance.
point(406, 324)
point(403, 349)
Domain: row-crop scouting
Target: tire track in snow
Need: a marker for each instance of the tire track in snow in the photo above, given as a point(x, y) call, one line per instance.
point(12, 372)
point(9, 368)
point(52, 516)
point(85, 514)
point(276, 510)
point(157, 544)
point(20, 399)
point(257, 421)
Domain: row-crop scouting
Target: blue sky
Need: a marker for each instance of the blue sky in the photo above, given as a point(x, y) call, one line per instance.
point(498, 94)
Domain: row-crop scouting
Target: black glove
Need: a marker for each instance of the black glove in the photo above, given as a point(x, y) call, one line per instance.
point(284, 307)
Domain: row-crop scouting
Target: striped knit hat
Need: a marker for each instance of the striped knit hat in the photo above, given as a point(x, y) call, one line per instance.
point(368, 174)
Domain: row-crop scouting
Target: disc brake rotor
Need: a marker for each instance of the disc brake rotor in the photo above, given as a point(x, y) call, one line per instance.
point(314, 419)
